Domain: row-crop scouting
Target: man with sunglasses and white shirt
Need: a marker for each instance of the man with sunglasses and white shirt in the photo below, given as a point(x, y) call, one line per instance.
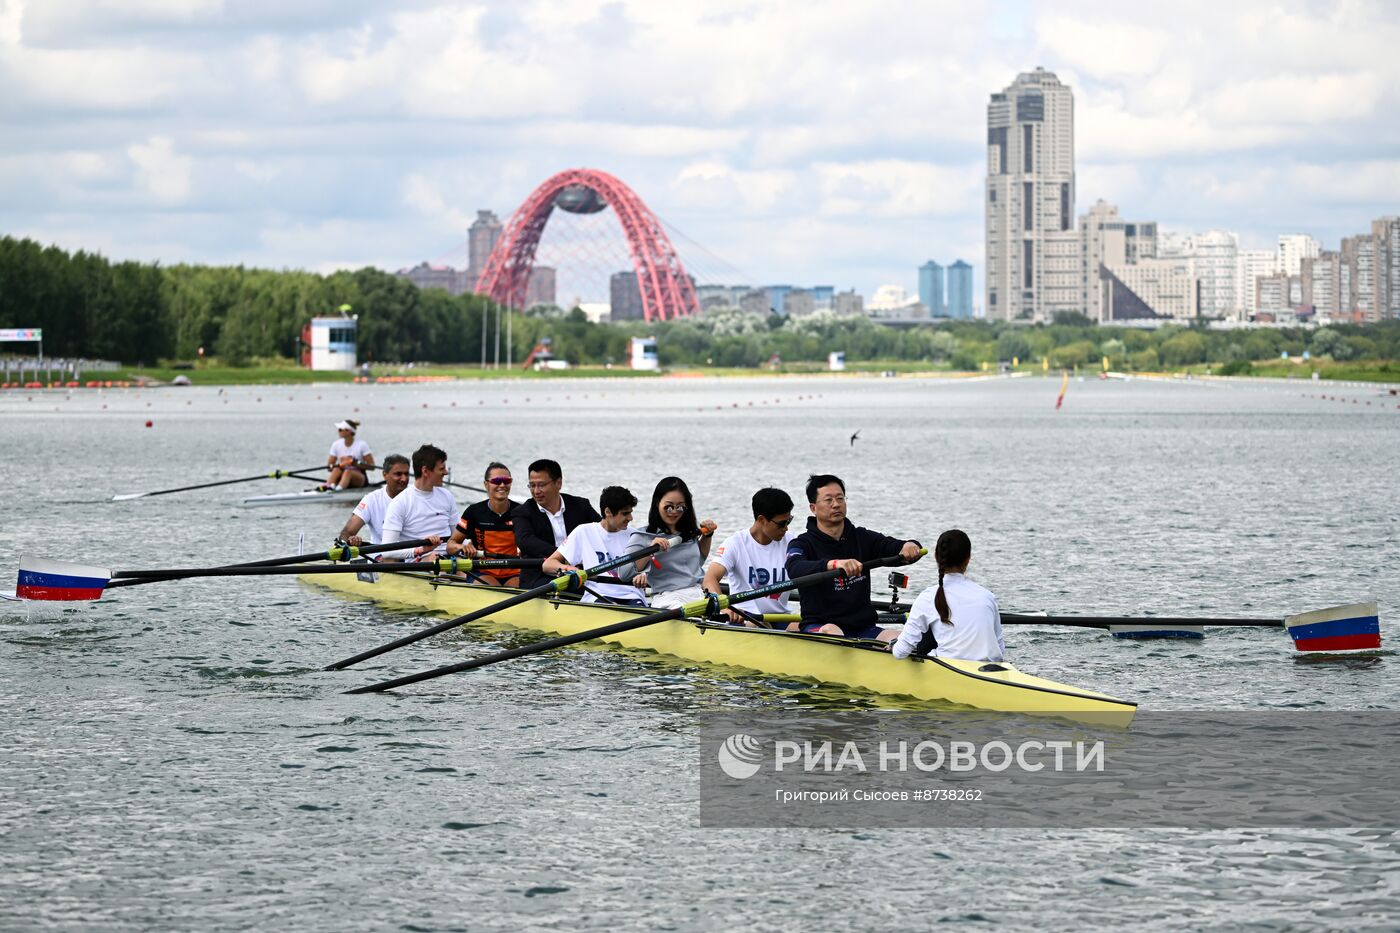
point(755, 557)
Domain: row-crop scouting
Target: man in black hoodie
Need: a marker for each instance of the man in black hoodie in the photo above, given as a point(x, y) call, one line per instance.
point(840, 606)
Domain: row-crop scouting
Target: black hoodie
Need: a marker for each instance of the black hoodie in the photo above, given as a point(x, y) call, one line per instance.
point(844, 602)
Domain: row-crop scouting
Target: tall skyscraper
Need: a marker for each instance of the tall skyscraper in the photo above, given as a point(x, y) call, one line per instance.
point(481, 239)
point(1030, 200)
point(960, 289)
point(931, 287)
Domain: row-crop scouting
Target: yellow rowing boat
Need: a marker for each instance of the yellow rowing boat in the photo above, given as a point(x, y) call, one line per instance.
point(823, 659)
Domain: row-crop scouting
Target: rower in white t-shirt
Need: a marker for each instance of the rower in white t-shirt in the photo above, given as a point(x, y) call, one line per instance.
point(962, 615)
point(366, 523)
point(423, 510)
point(593, 543)
point(756, 557)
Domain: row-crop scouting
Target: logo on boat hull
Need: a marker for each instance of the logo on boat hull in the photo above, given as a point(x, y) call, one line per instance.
point(739, 756)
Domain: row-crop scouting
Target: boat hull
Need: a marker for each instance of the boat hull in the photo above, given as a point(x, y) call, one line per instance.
point(818, 658)
point(308, 497)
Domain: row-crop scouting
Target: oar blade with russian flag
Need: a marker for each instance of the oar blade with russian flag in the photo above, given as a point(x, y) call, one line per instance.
point(1339, 630)
point(41, 578)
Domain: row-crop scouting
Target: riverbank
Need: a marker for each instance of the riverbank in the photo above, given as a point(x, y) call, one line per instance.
point(1373, 371)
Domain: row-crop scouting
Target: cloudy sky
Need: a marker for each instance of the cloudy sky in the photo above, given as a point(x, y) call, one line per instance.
point(797, 141)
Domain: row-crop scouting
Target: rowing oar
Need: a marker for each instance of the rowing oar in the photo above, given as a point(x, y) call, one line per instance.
point(40, 578)
point(1016, 618)
point(574, 579)
point(338, 553)
point(1030, 618)
point(440, 565)
point(275, 474)
point(711, 604)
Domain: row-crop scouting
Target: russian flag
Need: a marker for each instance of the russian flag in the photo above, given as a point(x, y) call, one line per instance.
point(59, 579)
point(1343, 628)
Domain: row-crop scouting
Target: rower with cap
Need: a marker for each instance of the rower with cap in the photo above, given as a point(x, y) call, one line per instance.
point(349, 458)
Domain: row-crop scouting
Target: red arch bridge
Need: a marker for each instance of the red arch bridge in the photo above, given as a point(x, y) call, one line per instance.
point(667, 291)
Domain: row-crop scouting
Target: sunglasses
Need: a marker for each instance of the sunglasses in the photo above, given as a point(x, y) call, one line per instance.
point(670, 509)
point(499, 481)
point(782, 524)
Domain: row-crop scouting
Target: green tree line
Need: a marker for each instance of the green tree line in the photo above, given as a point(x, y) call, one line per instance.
point(136, 312)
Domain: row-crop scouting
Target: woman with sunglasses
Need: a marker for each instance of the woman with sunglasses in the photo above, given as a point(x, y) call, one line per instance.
point(675, 573)
point(487, 526)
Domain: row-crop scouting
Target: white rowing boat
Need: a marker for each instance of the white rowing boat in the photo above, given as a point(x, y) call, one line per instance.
point(310, 496)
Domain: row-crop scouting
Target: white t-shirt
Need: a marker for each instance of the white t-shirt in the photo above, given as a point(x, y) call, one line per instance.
point(372, 510)
point(417, 514)
point(356, 449)
point(589, 545)
point(749, 565)
point(975, 634)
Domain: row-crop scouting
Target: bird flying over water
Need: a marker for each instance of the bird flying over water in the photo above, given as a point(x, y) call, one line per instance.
point(854, 436)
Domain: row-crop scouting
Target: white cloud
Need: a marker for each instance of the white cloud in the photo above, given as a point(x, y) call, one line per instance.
point(718, 187)
point(894, 188)
point(1103, 46)
point(162, 171)
point(819, 142)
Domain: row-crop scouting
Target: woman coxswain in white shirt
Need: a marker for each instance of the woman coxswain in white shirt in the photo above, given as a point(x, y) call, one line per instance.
point(349, 458)
point(963, 616)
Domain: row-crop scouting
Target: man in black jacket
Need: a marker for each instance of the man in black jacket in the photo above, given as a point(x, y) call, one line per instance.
point(545, 520)
point(840, 606)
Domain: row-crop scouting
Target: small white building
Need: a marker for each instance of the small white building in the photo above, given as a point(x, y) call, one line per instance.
point(329, 344)
point(643, 353)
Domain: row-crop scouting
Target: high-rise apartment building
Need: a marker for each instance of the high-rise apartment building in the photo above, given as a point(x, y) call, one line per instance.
point(1030, 199)
point(481, 239)
point(1321, 277)
point(540, 290)
point(1250, 266)
point(1293, 248)
point(1385, 231)
point(960, 289)
point(1359, 252)
point(1213, 260)
point(931, 287)
point(624, 297)
point(1107, 245)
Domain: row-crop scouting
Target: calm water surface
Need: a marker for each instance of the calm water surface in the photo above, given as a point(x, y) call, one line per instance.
point(174, 757)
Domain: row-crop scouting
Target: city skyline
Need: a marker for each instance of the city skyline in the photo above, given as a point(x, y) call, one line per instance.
point(848, 151)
